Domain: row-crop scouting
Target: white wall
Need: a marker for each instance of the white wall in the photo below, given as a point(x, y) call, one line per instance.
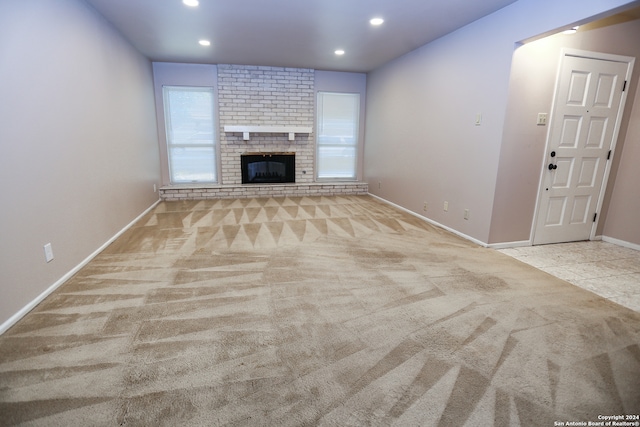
point(78, 139)
point(422, 144)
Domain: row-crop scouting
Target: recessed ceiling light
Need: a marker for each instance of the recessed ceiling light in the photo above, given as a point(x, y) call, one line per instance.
point(204, 42)
point(376, 21)
point(339, 52)
point(571, 30)
point(192, 3)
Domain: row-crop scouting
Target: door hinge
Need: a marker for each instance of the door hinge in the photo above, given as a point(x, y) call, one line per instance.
point(609, 155)
point(595, 215)
point(624, 86)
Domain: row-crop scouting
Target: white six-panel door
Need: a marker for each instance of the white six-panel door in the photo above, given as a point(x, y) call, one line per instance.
point(583, 126)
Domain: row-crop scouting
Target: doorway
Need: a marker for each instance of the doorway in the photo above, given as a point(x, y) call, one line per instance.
point(585, 118)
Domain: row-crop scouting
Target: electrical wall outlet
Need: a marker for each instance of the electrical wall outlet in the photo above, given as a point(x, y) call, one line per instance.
point(446, 206)
point(466, 214)
point(425, 207)
point(154, 188)
point(379, 184)
point(48, 252)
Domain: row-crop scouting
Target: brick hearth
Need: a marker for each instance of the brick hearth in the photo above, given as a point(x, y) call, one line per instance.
point(199, 192)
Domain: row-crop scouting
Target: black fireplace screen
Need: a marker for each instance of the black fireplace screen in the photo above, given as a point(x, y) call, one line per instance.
point(268, 168)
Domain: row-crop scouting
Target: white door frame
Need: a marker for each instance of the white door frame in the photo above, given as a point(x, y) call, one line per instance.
point(590, 55)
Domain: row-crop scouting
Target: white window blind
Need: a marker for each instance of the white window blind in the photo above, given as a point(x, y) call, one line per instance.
point(191, 144)
point(337, 140)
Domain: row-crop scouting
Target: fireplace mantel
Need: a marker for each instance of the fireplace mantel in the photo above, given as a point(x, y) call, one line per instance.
point(246, 130)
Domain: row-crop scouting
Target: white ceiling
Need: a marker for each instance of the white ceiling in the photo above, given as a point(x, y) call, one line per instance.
point(289, 33)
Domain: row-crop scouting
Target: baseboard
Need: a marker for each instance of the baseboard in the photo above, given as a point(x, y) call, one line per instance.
point(507, 245)
point(432, 222)
point(622, 243)
point(30, 306)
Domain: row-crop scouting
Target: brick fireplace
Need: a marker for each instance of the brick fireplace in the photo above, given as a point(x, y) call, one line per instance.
point(265, 96)
point(270, 98)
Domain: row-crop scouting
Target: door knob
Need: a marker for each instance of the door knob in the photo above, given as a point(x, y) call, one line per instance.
point(552, 166)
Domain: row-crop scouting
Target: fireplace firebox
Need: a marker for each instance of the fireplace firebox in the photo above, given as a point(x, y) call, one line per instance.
point(268, 168)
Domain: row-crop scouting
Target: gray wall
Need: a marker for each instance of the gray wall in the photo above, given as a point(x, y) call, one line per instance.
point(533, 77)
point(422, 144)
point(622, 219)
point(78, 138)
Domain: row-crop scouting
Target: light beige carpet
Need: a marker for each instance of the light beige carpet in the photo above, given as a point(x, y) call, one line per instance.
point(329, 311)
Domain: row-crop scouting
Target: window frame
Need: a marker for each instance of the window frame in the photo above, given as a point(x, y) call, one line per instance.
point(214, 145)
point(354, 145)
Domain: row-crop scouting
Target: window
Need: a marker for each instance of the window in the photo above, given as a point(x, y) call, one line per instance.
point(191, 147)
point(337, 143)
